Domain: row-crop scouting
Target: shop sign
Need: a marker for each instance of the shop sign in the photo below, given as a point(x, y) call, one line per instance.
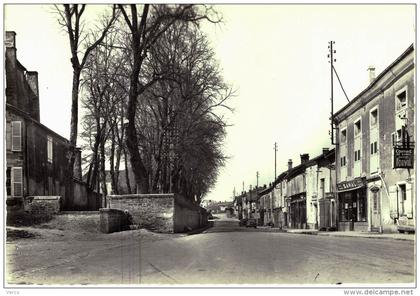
point(350, 185)
point(403, 158)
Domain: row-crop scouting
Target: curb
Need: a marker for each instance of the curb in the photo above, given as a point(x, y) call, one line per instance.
point(378, 236)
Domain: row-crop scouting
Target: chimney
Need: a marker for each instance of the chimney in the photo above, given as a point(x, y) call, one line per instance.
point(325, 150)
point(32, 79)
point(371, 72)
point(304, 158)
point(11, 64)
point(289, 164)
point(10, 40)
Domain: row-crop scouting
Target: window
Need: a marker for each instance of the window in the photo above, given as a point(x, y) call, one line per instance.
point(401, 100)
point(403, 192)
point(16, 136)
point(50, 149)
point(343, 137)
point(375, 201)
point(357, 128)
point(322, 188)
point(357, 155)
point(352, 206)
point(17, 182)
point(374, 147)
point(374, 118)
point(343, 161)
point(8, 181)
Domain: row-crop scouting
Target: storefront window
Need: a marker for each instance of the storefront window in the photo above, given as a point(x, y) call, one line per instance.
point(353, 205)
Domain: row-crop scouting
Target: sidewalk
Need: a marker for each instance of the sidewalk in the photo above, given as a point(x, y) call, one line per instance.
point(396, 236)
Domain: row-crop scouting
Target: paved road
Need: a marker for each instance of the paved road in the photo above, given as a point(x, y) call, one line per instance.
point(224, 254)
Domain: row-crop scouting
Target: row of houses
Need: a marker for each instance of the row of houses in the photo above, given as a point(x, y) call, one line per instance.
point(366, 181)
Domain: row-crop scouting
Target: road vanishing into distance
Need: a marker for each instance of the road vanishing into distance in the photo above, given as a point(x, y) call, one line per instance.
point(223, 254)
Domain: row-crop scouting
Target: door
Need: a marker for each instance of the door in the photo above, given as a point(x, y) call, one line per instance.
point(324, 214)
point(376, 210)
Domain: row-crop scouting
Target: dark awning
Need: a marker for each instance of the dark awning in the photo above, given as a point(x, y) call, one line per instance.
point(354, 184)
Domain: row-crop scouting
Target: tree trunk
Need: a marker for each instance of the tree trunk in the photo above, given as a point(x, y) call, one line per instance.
point(127, 175)
point(117, 170)
point(92, 177)
point(137, 165)
point(103, 174)
point(111, 163)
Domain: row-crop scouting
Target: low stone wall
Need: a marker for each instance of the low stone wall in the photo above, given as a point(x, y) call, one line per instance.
point(42, 205)
point(112, 220)
point(188, 216)
point(33, 210)
point(160, 212)
point(151, 211)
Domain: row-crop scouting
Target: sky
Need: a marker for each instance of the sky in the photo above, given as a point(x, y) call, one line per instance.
point(275, 56)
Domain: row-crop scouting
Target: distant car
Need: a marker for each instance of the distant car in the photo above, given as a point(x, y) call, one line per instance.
point(251, 223)
point(405, 225)
point(242, 222)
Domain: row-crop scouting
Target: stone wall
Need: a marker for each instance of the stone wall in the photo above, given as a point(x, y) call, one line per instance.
point(84, 199)
point(160, 212)
point(35, 209)
point(188, 216)
point(151, 211)
point(112, 220)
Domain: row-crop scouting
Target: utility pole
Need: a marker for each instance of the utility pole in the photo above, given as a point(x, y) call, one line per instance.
point(250, 203)
point(332, 60)
point(257, 179)
point(243, 186)
point(275, 161)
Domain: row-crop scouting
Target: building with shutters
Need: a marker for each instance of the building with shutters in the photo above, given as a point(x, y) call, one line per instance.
point(36, 156)
point(375, 157)
point(320, 186)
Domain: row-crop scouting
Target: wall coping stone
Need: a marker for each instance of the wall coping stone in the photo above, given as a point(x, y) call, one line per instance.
point(149, 195)
point(47, 197)
point(114, 211)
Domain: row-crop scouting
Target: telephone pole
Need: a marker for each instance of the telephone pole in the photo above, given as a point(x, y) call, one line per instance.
point(257, 179)
point(332, 60)
point(275, 161)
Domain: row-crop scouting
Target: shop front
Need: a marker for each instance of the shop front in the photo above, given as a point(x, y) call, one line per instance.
point(352, 205)
point(298, 212)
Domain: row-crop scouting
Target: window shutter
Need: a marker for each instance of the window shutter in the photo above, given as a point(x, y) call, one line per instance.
point(409, 202)
point(16, 136)
point(17, 182)
point(8, 181)
point(50, 149)
point(393, 206)
point(8, 136)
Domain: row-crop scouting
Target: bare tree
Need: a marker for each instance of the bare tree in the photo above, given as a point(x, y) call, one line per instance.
point(145, 30)
point(81, 45)
point(178, 118)
point(102, 104)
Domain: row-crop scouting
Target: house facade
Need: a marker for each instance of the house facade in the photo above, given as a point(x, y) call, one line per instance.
point(320, 187)
point(375, 156)
point(36, 156)
point(296, 194)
